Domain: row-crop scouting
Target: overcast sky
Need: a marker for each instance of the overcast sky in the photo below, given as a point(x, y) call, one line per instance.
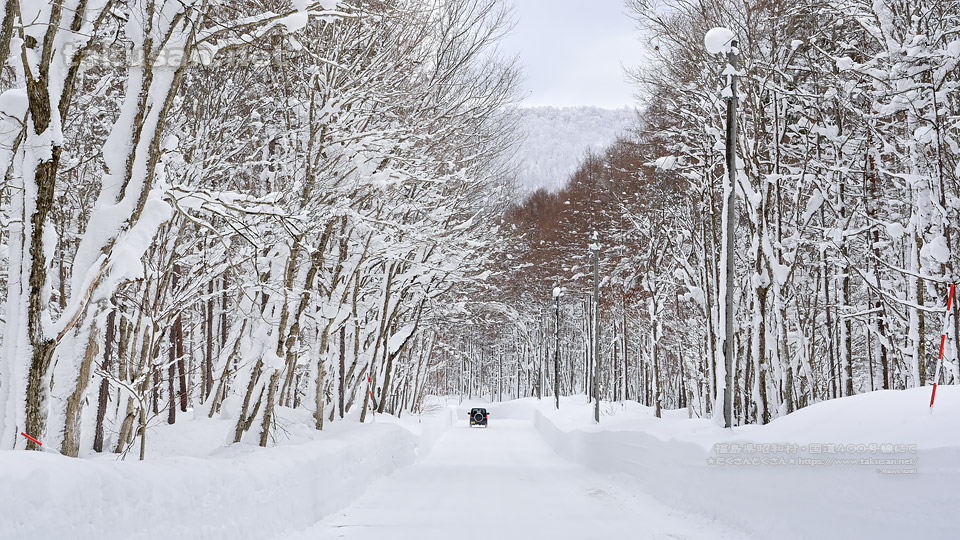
point(572, 52)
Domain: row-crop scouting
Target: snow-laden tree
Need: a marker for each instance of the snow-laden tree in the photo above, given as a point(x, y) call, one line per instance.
point(847, 187)
point(282, 197)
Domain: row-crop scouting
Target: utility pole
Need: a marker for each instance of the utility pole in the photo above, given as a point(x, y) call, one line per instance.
point(595, 251)
point(557, 293)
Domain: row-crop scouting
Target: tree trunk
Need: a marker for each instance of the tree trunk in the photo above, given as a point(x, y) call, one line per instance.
point(71, 429)
point(104, 385)
point(208, 356)
point(340, 379)
point(171, 377)
point(178, 341)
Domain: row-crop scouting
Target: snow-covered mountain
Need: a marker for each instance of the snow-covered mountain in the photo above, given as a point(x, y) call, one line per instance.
point(556, 139)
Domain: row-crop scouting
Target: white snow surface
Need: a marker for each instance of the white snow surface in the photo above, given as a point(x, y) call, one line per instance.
point(208, 491)
point(666, 163)
point(534, 473)
point(718, 40)
point(505, 482)
point(824, 500)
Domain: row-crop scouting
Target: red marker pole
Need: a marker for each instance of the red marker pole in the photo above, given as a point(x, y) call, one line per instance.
point(943, 339)
point(38, 443)
point(373, 406)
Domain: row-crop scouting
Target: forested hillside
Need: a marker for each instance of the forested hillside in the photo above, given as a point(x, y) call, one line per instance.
point(556, 139)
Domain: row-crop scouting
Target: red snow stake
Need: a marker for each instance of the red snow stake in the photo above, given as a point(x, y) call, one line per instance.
point(943, 339)
point(32, 439)
point(373, 407)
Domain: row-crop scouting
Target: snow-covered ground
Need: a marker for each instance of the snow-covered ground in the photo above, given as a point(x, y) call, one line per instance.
point(897, 480)
point(195, 487)
point(534, 473)
point(505, 482)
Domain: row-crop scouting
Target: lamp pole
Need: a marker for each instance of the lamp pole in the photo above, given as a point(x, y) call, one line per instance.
point(557, 293)
point(595, 252)
point(722, 41)
point(541, 346)
point(731, 156)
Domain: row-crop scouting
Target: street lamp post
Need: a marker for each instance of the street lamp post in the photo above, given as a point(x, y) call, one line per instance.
point(721, 41)
point(557, 293)
point(595, 251)
point(541, 346)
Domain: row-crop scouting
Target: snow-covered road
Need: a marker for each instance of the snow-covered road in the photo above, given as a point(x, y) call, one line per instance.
point(504, 482)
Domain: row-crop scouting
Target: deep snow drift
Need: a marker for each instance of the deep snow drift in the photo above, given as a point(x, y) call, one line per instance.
point(877, 465)
point(534, 473)
point(207, 491)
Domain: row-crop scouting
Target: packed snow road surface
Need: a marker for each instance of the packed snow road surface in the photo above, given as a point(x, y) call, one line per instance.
point(504, 482)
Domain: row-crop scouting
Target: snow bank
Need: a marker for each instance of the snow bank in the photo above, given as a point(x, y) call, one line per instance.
point(814, 500)
point(238, 492)
point(428, 426)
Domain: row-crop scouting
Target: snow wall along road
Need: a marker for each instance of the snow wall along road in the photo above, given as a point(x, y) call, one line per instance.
point(239, 492)
point(799, 502)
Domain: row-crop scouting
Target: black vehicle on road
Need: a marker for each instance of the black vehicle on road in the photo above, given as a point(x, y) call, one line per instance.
point(478, 417)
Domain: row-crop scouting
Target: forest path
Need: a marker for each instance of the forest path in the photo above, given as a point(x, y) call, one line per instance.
point(504, 482)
